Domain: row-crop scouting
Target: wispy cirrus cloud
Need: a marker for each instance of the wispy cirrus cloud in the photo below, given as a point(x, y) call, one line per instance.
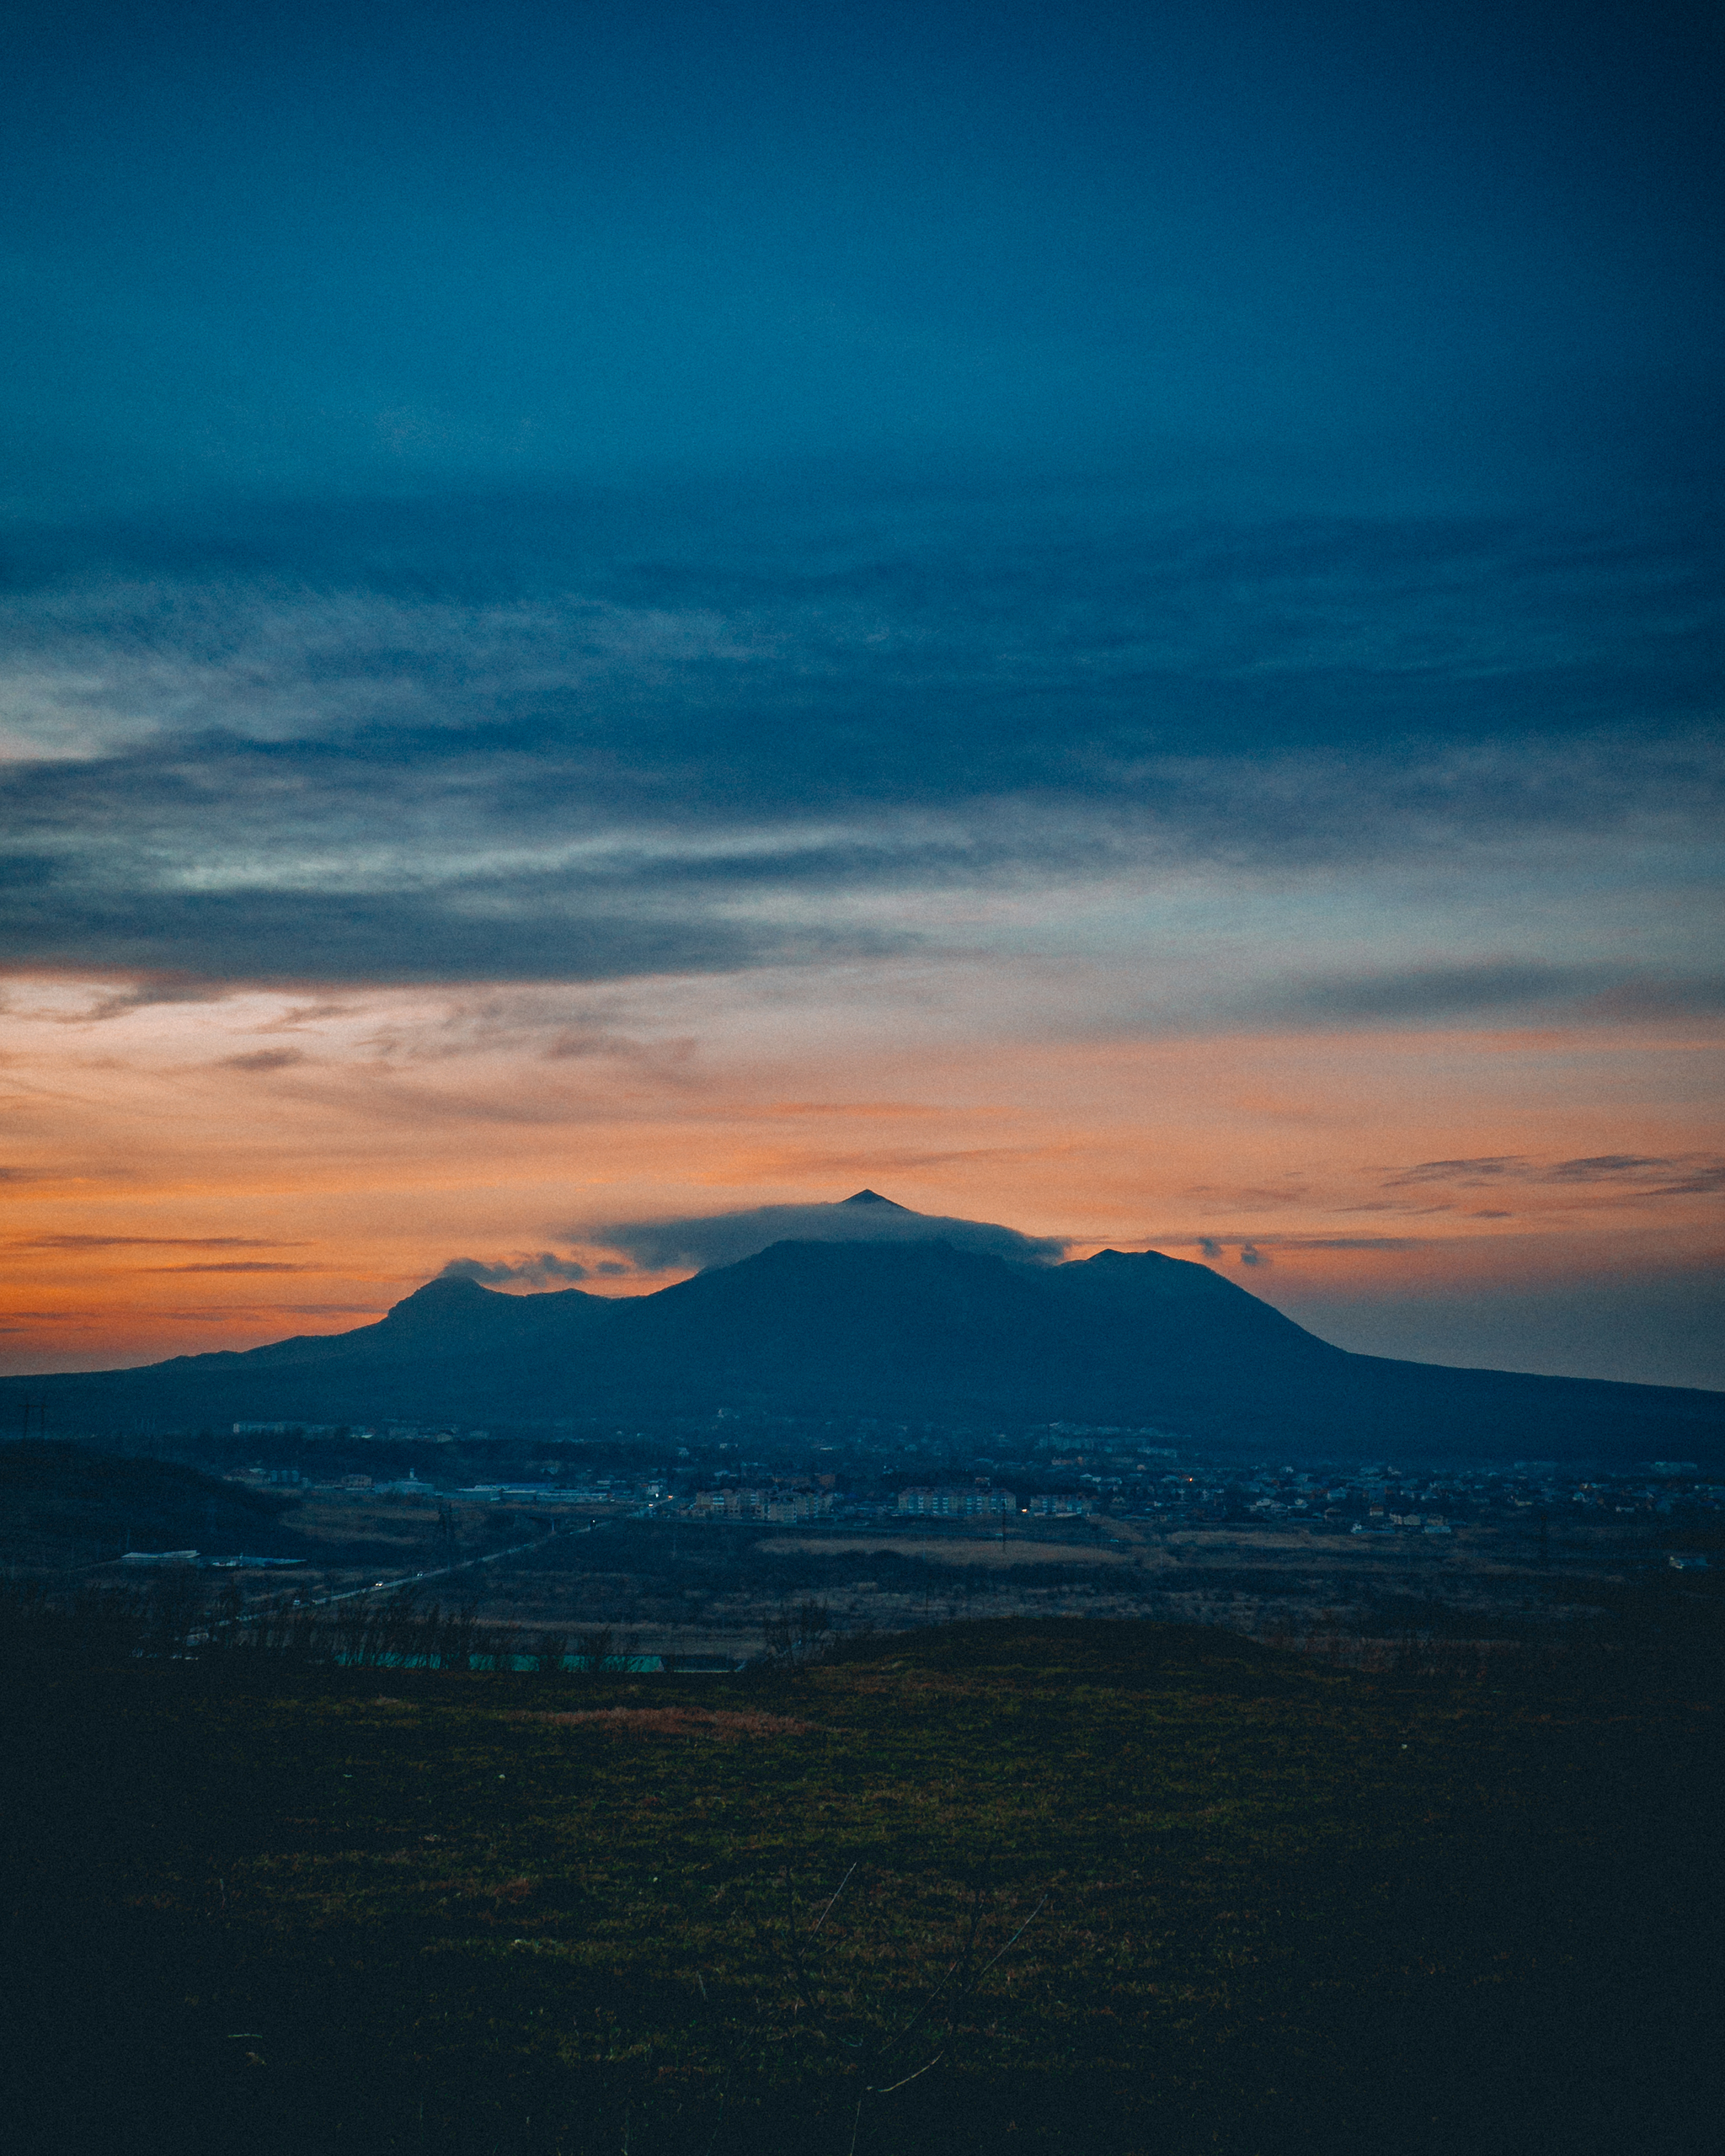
point(330, 1310)
point(1636, 1175)
point(595, 767)
point(73, 1242)
point(1489, 987)
point(264, 1060)
point(1649, 1175)
point(1418, 993)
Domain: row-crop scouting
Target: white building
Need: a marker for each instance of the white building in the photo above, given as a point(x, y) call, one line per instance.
point(956, 1503)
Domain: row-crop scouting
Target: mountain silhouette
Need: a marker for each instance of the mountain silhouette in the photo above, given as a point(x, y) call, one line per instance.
point(909, 1330)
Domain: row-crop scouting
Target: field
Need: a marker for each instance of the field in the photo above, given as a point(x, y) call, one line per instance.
point(972, 1550)
point(1242, 1902)
point(723, 1591)
point(707, 1588)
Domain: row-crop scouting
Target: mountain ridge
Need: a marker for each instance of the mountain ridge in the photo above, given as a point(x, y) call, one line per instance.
point(911, 1330)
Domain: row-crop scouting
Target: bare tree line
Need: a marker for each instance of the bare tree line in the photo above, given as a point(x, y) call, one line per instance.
point(171, 1619)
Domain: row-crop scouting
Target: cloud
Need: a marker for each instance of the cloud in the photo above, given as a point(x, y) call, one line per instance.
point(1649, 1175)
point(248, 1265)
point(1255, 1250)
point(1349, 1242)
point(1438, 991)
point(264, 1059)
point(582, 1043)
point(1465, 1171)
point(484, 740)
point(333, 1309)
point(525, 928)
point(1434, 992)
point(146, 993)
point(1631, 1175)
point(148, 1243)
point(711, 1239)
point(533, 1272)
point(1652, 995)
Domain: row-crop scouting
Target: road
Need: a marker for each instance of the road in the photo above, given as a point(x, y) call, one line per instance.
point(446, 1571)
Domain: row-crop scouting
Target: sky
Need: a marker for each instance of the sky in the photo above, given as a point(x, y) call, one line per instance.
point(1102, 619)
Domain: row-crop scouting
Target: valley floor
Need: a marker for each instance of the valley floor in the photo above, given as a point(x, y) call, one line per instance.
point(716, 1591)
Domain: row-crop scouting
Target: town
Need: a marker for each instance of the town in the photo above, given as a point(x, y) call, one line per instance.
point(864, 1472)
point(694, 1537)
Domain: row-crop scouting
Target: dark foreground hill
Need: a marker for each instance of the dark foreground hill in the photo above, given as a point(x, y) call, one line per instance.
point(1095, 1889)
point(65, 1505)
point(912, 1331)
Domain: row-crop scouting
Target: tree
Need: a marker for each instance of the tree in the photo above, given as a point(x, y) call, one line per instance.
point(796, 1633)
point(596, 1649)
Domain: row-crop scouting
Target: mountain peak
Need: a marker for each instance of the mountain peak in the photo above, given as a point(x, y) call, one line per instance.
point(446, 1287)
point(872, 1197)
point(448, 1296)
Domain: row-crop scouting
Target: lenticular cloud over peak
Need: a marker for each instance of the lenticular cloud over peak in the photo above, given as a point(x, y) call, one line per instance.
point(710, 1238)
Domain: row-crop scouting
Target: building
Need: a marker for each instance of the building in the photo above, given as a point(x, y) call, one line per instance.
point(956, 1503)
point(783, 1506)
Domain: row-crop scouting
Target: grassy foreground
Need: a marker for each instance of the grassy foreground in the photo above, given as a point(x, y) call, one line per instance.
point(1260, 1905)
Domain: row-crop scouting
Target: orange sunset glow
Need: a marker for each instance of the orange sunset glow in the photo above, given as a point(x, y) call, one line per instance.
point(189, 1174)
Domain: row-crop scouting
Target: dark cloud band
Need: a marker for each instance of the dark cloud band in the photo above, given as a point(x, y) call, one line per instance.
point(595, 760)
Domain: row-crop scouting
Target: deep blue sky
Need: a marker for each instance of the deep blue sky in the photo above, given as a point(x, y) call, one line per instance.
point(1170, 520)
point(1426, 249)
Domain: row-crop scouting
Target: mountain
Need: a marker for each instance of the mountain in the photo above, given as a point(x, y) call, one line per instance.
point(914, 1330)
